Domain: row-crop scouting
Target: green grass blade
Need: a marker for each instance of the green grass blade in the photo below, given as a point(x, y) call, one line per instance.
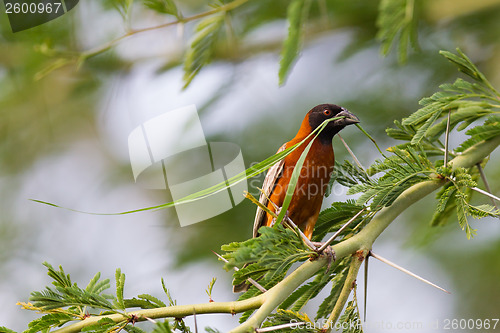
point(242, 176)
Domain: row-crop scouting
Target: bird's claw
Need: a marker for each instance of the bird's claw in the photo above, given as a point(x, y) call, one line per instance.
point(285, 218)
point(327, 251)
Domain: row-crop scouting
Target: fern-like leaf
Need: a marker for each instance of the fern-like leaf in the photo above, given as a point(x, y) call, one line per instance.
point(397, 20)
point(328, 303)
point(490, 129)
point(290, 316)
point(202, 45)
point(163, 6)
point(162, 327)
point(296, 14)
point(120, 285)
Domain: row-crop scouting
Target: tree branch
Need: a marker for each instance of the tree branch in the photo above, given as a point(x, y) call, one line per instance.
point(363, 241)
point(176, 311)
point(357, 260)
point(224, 8)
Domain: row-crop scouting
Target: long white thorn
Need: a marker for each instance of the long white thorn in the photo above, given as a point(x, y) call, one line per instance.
point(366, 287)
point(486, 185)
point(195, 322)
point(385, 261)
point(350, 152)
point(279, 327)
point(488, 194)
point(331, 239)
point(447, 136)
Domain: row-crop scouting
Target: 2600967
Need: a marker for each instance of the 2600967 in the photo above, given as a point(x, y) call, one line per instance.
point(470, 324)
point(32, 8)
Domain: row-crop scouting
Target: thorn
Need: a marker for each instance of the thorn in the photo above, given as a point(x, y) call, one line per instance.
point(446, 140)
point(195, 322)
point(278, 327)
point(376, 256)
point(366, 286)
point(252, 281)
point(150, 320)
point(486, 185)
point(331, 239)
point(350, 152)
point(486, 193)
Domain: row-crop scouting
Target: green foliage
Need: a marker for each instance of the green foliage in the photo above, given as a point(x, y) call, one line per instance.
point(265, 259)
point(167, 292)
point(162, 327)
point(120, 284)
point(402, 170)
point(163, 6)
point(350, 321)
point(407, 132)
point(337, 273)
point(297, 15)
point(268, 256)
point(203, 43)
point(489, 130)
point(144, 301)
point(397, 23)
point(329, 302)
point(122, 6)
point(48, 321)
point(290, 316)
point(4, 329)
point(103, 325)
point(67, 294)
point(457, 194)
point(465, 101)
point(331, 219)
point(210, 287)
point(66, 302)
point(133, 329)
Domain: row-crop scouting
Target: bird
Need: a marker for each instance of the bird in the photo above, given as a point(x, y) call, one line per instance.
point(314, 177)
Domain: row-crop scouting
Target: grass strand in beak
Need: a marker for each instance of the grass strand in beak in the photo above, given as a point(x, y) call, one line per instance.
point(369, 137)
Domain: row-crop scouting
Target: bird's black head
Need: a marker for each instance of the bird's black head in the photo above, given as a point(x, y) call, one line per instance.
point(322, 112)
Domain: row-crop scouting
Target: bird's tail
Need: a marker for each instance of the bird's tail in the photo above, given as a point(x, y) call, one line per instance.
point(242, 287)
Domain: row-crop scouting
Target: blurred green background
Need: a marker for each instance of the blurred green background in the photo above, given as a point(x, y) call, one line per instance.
point(64, 128)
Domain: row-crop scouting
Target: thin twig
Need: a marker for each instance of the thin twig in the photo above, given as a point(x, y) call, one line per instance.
point(366, 287)
point(492, 196)
point(181, 20)
point(252, 281)
point(376, 256)
point(446, 140)
point(349, 284)
point(350, 152)
point(195, 322)
point(331, 239)
point(278, 327)
point(485, 182)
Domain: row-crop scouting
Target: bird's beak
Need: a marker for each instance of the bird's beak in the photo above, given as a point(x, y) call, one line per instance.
point(348, 120)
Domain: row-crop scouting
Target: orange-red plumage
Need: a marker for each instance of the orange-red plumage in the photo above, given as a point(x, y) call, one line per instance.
point(315, 174)
point(314, 177)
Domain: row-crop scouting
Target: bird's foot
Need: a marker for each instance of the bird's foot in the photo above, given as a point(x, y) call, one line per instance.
point(327, 251)
point(286, 218)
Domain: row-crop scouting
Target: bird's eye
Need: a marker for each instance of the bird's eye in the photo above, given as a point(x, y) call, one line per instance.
point(327, 112)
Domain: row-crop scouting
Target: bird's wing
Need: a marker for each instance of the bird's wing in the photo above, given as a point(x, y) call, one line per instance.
point(267, 188)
